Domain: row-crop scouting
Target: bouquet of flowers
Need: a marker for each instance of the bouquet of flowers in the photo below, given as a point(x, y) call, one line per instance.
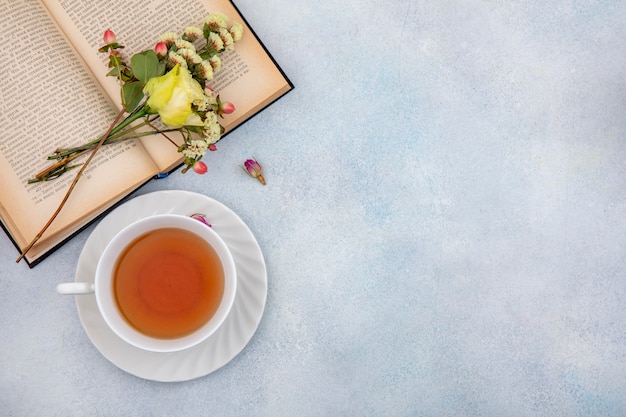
point(165, 89)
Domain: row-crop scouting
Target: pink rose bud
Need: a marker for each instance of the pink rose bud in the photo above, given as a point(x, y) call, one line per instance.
point(199, 167)
point(109, 37)
point(254, 169)
point(160, 49)
point(201, 218)
point(212, 147)
point(227, 108)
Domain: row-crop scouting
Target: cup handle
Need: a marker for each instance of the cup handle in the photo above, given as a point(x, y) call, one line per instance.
point(75, 288)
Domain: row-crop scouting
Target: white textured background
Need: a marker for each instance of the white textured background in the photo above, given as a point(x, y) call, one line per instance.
point(444, 225)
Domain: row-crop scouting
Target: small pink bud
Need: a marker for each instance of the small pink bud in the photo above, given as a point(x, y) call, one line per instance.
point(212, 147)
point(199, 167)
point(254, 169)
point(227, 108)
point(223, 107)
point(109, 37)
point(201, 218)
point(160, 49)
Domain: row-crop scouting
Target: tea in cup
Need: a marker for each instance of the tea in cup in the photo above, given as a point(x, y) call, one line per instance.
point(164, 283)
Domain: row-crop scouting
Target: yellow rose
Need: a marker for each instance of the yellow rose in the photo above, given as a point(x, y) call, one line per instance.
point(171, 96)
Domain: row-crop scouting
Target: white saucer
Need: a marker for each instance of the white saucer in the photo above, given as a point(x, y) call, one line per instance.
point(239, 326)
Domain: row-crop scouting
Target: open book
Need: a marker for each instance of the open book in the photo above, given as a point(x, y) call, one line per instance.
point(55, 93)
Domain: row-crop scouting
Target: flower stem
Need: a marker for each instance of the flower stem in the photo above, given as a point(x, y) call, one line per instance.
point(53, 171)
point(163, 133)
point(72, 186)
point(65, 156)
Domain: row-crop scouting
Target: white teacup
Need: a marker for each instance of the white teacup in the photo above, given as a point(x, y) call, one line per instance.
point(167, 292)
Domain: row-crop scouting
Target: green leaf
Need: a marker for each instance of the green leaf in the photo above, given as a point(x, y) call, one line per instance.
point(110, 47)
point(113, 73)
point(132, 94)
point(144, 65)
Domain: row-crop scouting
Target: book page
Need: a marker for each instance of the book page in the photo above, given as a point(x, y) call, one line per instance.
point(48, 101)
point(248, 77)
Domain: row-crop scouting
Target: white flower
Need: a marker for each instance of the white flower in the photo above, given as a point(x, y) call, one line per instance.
point(195, 149)
point(183, 44)
point(216, 63)
point(192, 33)
point(212, 129)
point(216, 20)
point(168, 38)
point(205, 70)
point(236, 30)
point(208, 93)
point(175, 59)
point(201, 105)
point(216, 43)
point(190, 56)
point(206, 102)
point(227, 38)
